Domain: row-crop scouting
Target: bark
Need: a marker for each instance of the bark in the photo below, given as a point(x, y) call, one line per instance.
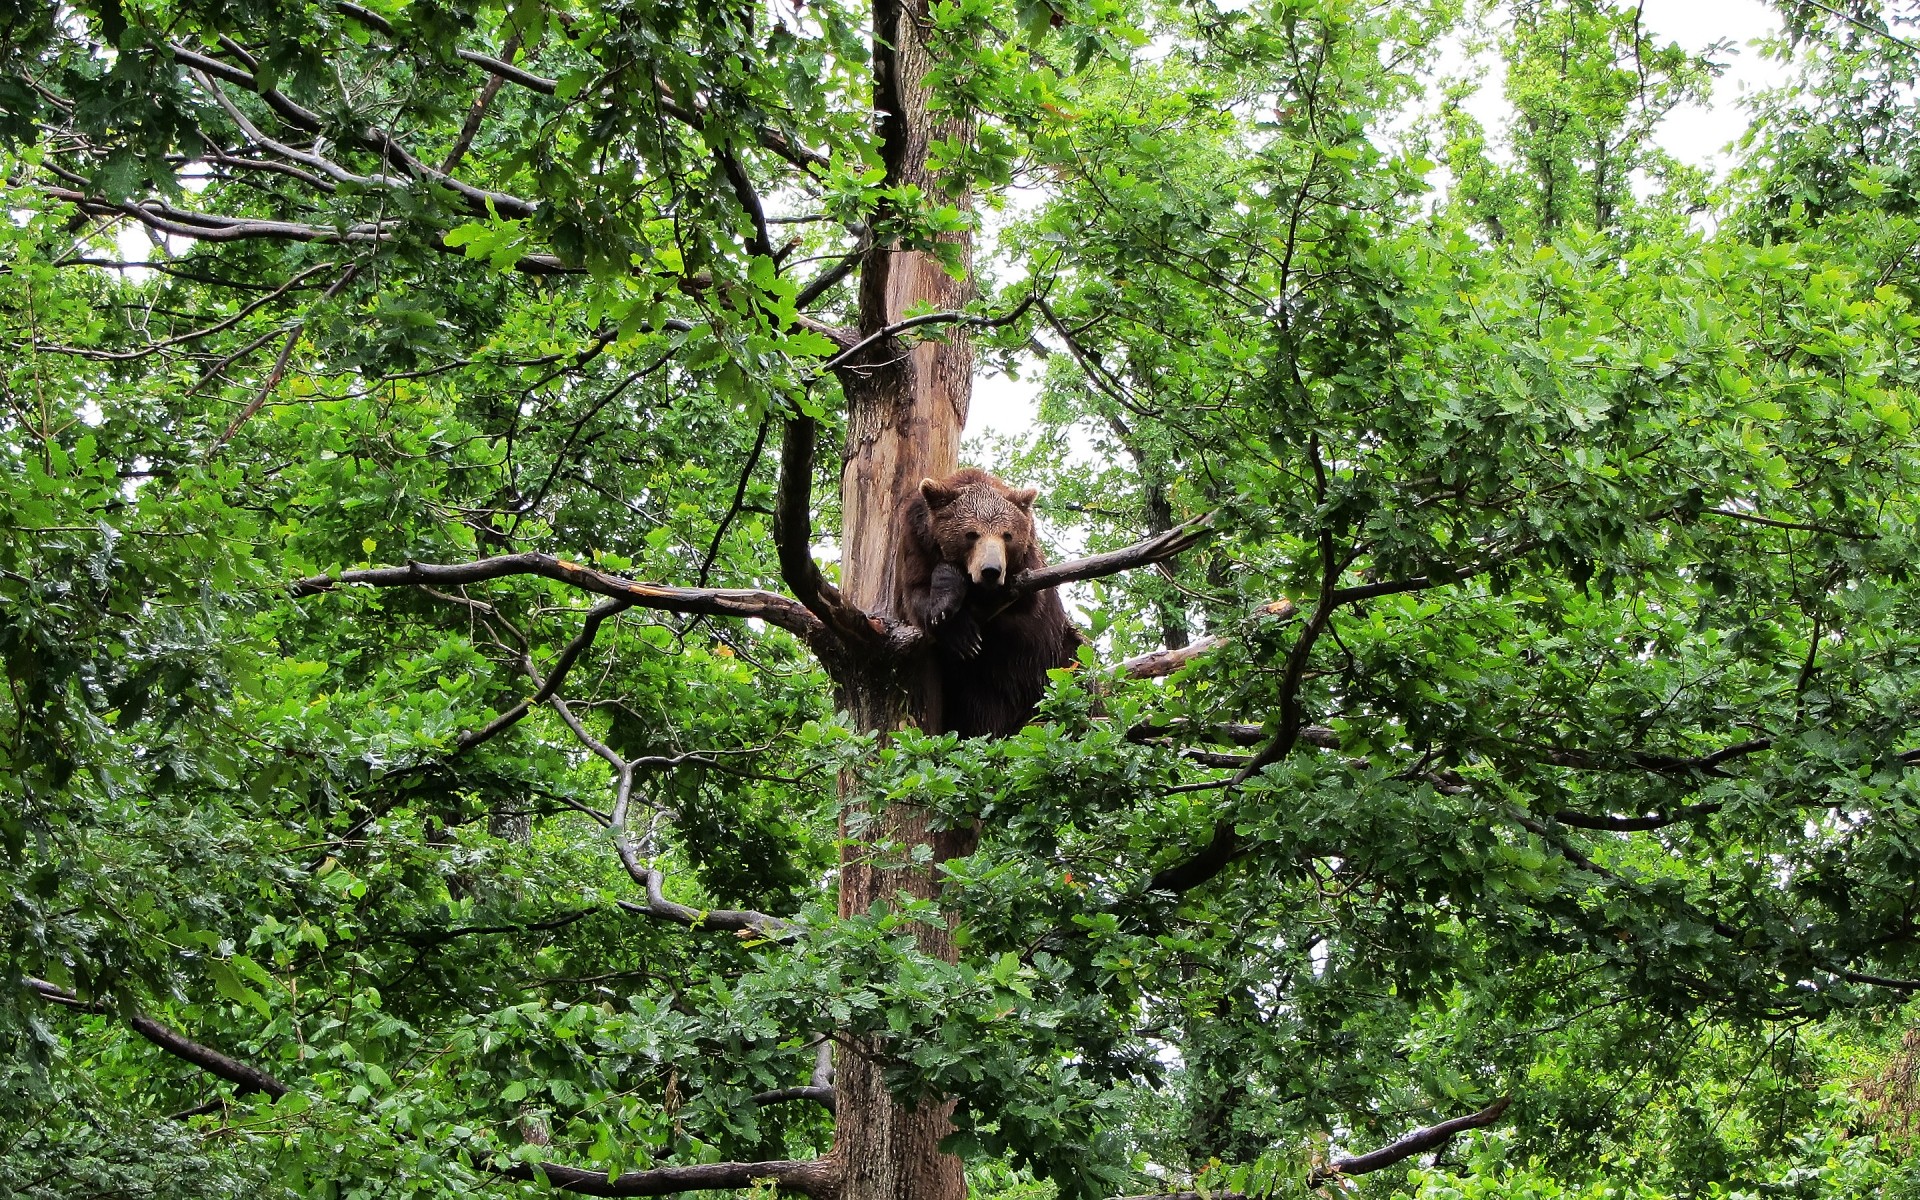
point(906, 407)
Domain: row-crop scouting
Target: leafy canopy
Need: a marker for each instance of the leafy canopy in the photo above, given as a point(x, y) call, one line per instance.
point(1578, 766)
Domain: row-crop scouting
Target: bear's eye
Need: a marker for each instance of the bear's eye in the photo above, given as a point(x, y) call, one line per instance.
point(971, 535)
point(1009, 538)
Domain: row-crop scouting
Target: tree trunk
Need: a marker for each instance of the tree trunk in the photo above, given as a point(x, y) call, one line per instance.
point(906, 411)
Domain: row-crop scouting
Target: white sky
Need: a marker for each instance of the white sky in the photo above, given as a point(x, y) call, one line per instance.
point(1694, 134)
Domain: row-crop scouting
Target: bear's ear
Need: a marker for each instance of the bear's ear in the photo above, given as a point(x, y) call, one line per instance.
point(937, 496)
point(1023, 497)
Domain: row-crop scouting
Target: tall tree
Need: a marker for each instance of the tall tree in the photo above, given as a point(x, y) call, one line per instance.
point(456, 734)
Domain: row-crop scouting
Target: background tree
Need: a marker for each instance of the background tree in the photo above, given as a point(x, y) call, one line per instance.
point(455, 736)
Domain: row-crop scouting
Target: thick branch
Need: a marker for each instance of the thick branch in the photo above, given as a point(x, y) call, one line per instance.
point(1421, 1140)
point(716, 602)
point(243, 1076)
point(1611, 823)
point(820, 1095)
point(793, 522)
point(819, 1178)
point(1660, 764)
point(1158, 548)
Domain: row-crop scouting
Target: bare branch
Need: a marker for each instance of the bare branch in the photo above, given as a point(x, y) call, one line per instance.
point(775, 609)
point(823, 283)
point(1157, 548)
point(1611, 823)
point(818, 1178)
point(1159, 663)
point(1421, 1140)
point(194, 336)
point(971, 320)
point(820, 1095)
point(1644, 760)
point(208, 227)
point(486, 62)
point(477, 113)
point(280, 363)
point(1417, 583)
point(730, 920)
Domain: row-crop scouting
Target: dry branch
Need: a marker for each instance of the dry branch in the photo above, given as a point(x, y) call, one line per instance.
point(770, 607)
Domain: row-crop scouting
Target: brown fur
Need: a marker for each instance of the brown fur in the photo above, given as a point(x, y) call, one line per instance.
point(960, 540)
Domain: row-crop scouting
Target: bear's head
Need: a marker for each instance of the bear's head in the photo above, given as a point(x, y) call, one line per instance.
point(986, 528)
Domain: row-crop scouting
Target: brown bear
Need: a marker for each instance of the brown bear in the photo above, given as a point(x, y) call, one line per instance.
point(961, 539)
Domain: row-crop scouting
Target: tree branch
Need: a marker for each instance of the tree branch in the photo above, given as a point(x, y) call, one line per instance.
point(207, 227)
point(1158, 548)
point(181, 339)
point(1429, 1137)
point(818, 1178)
point(820, 1095)
point(242, 1075)
point(657, 905)
point(1159, 663)
point(971, 320)
point(1418, 1142)
point(730, 920)
point(793, 522)
point(1417, 583)
point(545, 690)
point(775, 609)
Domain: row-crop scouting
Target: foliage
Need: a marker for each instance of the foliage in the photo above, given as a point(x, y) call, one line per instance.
point(1579, 768)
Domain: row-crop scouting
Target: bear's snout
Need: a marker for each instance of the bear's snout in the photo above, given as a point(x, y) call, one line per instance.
point(987, 565)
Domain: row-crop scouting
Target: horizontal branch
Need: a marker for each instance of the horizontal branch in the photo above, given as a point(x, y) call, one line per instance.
point(820, 1095)
point(819, 1178)
point(1421, 1140)
point(775, 609)
point(1158, 548)
point(1160, 663)
point(210, 227)
point(731, 920)
point(1662, 764)
point(249, 1079)
point(1429, 1137)
point(1418, 583)
point(1612, 824)
point(971, 320)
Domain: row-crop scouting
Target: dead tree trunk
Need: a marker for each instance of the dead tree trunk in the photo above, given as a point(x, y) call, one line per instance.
point(906, 407)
